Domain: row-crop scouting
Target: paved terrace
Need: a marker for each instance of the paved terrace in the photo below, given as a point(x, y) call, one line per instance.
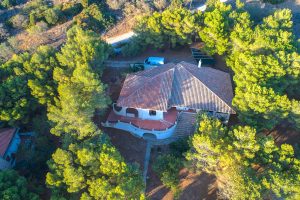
point(168, 121)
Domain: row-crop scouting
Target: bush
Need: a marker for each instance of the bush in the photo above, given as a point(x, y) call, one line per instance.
point(38, 28)
point(8, 3)
point(14, 44)
point(36, 10)
point(167, 167)
point(53, 15)
point(71, 9)
point(94, 18)
point(19, 21)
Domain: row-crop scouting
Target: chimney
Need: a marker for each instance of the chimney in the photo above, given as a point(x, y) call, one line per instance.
point(199, 63)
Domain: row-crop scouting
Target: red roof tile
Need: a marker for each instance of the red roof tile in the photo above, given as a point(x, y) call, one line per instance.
point(6, 135)
point(182, 85)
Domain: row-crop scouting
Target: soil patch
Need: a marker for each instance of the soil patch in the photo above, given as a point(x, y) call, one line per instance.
point(285, 133)
point(133, 149)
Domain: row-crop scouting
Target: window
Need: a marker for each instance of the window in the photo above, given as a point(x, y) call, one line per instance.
point(147, 61)
point(132, 112)
point(117, 108)
point(152, 112)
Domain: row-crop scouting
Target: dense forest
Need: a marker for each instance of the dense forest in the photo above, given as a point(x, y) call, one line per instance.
point(56, 90)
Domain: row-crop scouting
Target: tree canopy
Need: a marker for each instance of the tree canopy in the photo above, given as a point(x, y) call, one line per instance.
point(14, 187)
point(16, 101)
point(86, 165)
point(80, 91)
point(247, 165)
point(94, 169)
point(215, 28)
point(264, 59)
point(171, 27)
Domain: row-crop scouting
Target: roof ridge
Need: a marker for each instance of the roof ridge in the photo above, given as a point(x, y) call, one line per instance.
point(150, 80)
point(218, 70)
point(194, 77)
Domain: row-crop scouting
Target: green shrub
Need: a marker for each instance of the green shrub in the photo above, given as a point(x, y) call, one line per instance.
point(8, 3)
point(14, 43)
point(53, 15)
point(85, 3)
point(32, 19)
point(94, 18)
point(36, 11)
point(71, 9)
point(19, 21)
point(167, 167)
point(38, 28)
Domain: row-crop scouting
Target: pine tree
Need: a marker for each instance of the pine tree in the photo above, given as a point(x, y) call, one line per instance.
point(16, 102)
point(14, 186)
point(247, 165)
point(79, 87)
point(94, 170)
point(215, 29)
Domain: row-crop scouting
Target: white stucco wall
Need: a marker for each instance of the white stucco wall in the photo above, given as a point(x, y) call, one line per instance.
point(140, 132)
point(142, 114)
point(182, 108)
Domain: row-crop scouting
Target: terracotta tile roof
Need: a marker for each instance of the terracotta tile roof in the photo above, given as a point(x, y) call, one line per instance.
point(6, 135)
point(182, 84)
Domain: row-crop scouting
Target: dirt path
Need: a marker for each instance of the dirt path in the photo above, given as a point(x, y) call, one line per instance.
point(120, 39)
point(146, 161)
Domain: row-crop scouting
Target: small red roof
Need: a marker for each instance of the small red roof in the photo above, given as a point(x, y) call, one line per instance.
point(6, 135)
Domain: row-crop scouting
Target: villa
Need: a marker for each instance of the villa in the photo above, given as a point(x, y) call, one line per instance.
point(164, 101)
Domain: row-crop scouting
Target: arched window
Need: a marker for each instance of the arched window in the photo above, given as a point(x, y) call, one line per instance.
point(132, 112)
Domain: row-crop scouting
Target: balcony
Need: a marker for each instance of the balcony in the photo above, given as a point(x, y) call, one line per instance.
point(168, 121)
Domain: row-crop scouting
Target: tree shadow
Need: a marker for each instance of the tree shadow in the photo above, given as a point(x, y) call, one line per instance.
point(201, 186)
